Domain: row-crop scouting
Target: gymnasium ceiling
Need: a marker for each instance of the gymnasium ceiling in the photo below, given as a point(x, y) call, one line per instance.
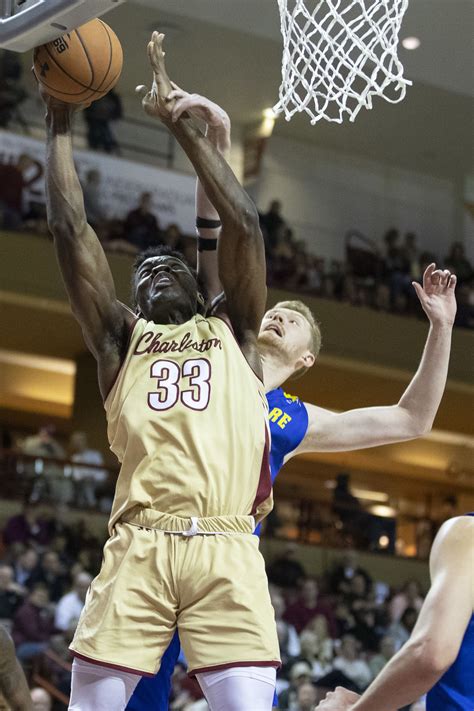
point(231, 50)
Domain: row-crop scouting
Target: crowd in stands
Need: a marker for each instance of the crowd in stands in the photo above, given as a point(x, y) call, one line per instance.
point(372, 274)
point(340, 629)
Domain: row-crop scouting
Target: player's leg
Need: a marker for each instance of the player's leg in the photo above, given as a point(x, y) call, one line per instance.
point(239, 688)
point(128, 619)
point(227, 573)
point(98, 688)
point(153, 693)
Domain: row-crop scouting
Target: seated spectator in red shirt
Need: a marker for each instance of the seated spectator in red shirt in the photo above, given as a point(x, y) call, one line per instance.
point(33, 624)
point(308, 606)
point(28, 528)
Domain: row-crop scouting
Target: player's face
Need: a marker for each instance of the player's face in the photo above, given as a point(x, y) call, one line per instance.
point(165, 285)
point(287, 330)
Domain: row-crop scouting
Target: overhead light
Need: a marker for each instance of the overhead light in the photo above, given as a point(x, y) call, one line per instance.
point(411, 42)
point(269, 114)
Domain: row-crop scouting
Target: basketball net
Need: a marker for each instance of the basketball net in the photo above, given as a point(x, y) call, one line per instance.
point(338, 55)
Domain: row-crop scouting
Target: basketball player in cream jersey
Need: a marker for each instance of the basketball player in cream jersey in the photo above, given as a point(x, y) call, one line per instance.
point(187, 417)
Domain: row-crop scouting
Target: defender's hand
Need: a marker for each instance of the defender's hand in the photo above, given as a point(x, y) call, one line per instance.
point(339, 700)
point(155, 101)
point(437, 295)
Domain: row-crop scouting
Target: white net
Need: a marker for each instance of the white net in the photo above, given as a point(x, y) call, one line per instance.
point(338, 55)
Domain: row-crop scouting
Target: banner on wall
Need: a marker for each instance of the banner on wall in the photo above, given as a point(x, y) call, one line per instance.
point(122, 182)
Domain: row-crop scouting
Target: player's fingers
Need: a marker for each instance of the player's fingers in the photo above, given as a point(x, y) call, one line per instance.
point(180, 107)
point(436, 277)
point(428, 272)
point(176, 94)
point(445, 277)
point(453, 280)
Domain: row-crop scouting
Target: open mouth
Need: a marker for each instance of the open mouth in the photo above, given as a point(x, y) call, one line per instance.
point(276, 329)
point(163, 279)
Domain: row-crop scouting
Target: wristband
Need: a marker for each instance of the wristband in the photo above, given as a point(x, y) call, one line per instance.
point(206, 245)
point(208, 224)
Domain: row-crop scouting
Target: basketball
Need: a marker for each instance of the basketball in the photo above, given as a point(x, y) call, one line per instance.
point(81, 66)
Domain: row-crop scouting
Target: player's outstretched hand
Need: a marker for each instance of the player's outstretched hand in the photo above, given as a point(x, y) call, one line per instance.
point(339, 700)
point(155, 100)
point(437, 295)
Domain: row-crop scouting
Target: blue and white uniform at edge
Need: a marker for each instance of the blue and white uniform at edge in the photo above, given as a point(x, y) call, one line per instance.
point(288, 419)
point(455, 690)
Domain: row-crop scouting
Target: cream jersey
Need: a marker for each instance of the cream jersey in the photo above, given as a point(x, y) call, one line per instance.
point(187, 418)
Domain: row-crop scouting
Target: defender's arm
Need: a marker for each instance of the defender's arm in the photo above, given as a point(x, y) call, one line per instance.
point(84, 267)
point(440, 628)
point(414, 414)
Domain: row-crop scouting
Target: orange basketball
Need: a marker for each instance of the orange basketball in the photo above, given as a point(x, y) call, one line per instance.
point(82, 65)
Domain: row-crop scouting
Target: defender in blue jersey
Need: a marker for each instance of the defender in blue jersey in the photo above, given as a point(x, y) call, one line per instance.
point(438, 659)
point(289, 344)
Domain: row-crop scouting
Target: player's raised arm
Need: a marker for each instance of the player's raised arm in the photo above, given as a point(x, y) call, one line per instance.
point(208, 224)
point(241, 254)
point(84, 267)
point(414, 414)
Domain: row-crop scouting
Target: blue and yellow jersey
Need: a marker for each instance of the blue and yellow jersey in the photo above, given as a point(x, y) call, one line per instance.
point(455, 690)
point(288, 419)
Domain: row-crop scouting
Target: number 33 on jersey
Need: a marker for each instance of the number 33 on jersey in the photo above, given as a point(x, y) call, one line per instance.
point(185, 402)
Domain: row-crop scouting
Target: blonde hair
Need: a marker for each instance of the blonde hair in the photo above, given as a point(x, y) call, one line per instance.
point(316, 338)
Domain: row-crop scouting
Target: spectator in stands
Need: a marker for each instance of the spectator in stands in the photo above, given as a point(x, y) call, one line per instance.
point(410, 596)
point(457, 262)
point(33, 624)
point(401, 630)
point(70, 605)
point(397, 269)
point(306, 697)
point(412, 257)
point(52, 574)
point(98, 117)
point(350, 663)
point(312, 654)
point(300, 673)
point(94, 207)
point(386, 652)
point(287, 635)
point(345, 571)
point(52, 481)
point(172, 237)
point(24, 566)
point(141, 229)
point(14, 179)
point(308, 606)
point(286, 571)
point(12, 94)
point(42, 701)
point(11, 594)
point(349, 510)
point(86, 479)
point(27, 527)
point(272, 223)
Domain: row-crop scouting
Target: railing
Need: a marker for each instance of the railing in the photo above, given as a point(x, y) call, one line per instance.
point(302, 518)
point(139, 139)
